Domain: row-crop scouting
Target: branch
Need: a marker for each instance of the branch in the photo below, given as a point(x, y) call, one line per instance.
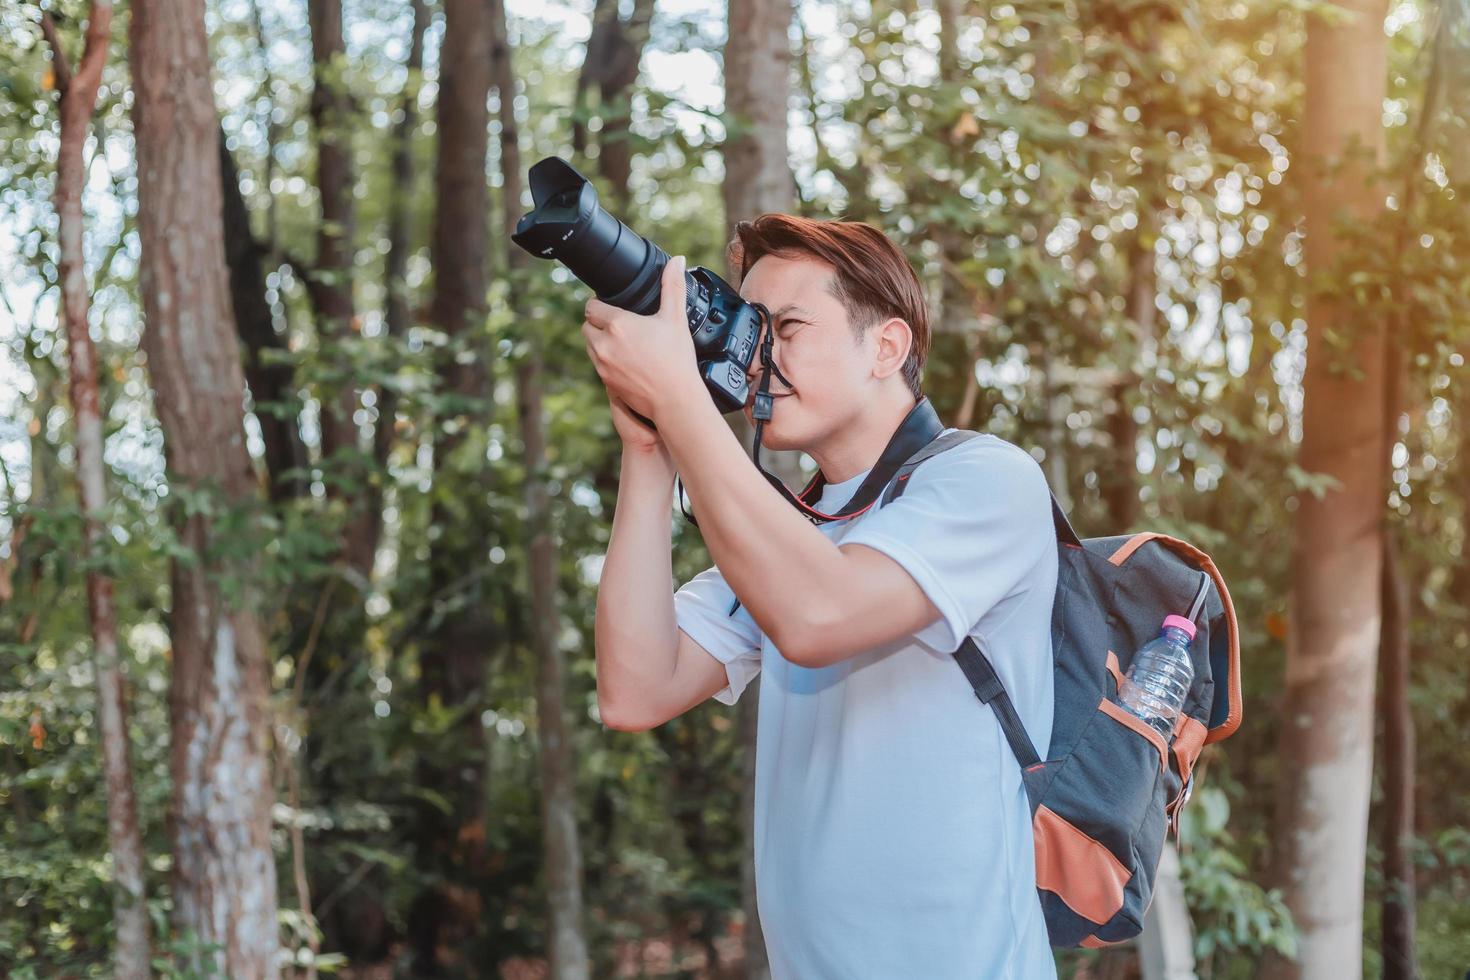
point(94, 52)
point(59, 66)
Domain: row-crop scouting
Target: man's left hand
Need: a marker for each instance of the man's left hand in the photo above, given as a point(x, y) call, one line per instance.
point(647, 361)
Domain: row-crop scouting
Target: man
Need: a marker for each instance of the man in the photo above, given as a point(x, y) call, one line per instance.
point(892, 831)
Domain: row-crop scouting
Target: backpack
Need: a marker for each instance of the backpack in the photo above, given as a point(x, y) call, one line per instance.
point(1108, 787)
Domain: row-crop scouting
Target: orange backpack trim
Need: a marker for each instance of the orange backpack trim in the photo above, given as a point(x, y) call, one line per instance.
point(1077, 869)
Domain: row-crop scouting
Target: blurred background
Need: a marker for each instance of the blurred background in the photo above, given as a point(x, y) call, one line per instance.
point(320, 697)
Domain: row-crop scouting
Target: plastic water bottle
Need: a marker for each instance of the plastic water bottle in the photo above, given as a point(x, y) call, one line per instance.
point(1158, 679)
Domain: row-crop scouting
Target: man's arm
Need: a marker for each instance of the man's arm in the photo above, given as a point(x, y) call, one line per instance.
point(648, 671)
point(819, 604)
point(635, 633)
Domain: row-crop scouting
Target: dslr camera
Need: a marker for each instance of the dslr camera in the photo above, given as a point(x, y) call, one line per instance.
point(624, 270)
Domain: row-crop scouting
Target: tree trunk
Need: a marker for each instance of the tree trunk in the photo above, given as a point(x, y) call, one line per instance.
point(461, 631)
point(330, 286)
point(1397, 765)
point(272, 387)
point(1398, 912)
point(757, 79)
point(757, 180)
point(78, 102)
point(614, 51)
point(1120, 480)
point(1326, 737)
point(567, 944)
point(400, 206)
point(224, 877)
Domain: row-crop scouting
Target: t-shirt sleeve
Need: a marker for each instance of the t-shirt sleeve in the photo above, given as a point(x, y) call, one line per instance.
point(970, 531)
point(702, 609)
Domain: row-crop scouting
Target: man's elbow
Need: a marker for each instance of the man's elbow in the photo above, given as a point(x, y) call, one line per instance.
point(624, 718)
point(815, 656)
point(811, 644)
point(618, 718)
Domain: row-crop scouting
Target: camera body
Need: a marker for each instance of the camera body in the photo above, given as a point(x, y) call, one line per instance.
point(625, 270)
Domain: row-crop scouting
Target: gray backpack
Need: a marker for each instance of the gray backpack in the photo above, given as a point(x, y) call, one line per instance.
point(1108, 786)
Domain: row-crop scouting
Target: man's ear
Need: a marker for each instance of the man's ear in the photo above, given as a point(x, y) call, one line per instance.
point(895, 338)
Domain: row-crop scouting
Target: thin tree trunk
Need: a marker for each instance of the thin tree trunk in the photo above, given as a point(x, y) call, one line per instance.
point(1042, 353)
point(614, 51)
point(224, 877)
point(567, 944)
point(461, 636)
point(330, 285)
point(1326, 737)
point(1120, 480)
point(757, 180)
point(271, 384)
point(1398, 911)
point(956, 308)
point(1398, 908)
point(400, 206)
point(78, 102)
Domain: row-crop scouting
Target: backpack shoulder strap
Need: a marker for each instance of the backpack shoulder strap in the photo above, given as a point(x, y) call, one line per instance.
point(977, 667)
point(989, 690)
point(938, 445)
point(900, 483)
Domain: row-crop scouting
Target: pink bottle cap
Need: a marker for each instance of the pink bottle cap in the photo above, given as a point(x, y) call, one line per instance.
point(1182, 622)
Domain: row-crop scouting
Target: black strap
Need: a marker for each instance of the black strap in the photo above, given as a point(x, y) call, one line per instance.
point(991, 691)
point(1065, 534)
point(978, 670)
point(900, 483)
point(913, 439)
point(901, 479)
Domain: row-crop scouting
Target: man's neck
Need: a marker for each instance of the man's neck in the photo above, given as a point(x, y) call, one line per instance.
point(857, 447)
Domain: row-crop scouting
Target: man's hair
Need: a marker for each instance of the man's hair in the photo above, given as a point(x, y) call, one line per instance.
point(873, 280)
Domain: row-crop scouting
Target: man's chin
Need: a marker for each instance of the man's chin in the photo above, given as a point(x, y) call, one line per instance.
point(771, 433)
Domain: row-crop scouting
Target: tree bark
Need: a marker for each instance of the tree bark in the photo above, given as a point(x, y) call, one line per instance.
point(461, 631)
point(1120, 480)
point(1398, 764)
point(614, 51)
point(330, 284)
point(567, 944)
point(757, 180)
point(396, 316)
point(1326, 738)
point(271, 384)
point(757, 79)
point(224, 878)
point(1398, 911)
point(78, 101)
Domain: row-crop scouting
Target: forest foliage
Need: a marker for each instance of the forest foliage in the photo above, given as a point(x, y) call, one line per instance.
point(1102, 201)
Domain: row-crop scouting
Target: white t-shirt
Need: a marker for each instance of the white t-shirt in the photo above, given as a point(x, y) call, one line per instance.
point(892, 831)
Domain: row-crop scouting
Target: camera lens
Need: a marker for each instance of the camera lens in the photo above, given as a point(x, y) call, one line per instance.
point(569, 225)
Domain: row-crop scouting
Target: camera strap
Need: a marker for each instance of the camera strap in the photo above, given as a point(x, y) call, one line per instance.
point(920, 427)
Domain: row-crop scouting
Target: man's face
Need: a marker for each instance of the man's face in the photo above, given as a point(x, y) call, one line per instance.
point(814, 346)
